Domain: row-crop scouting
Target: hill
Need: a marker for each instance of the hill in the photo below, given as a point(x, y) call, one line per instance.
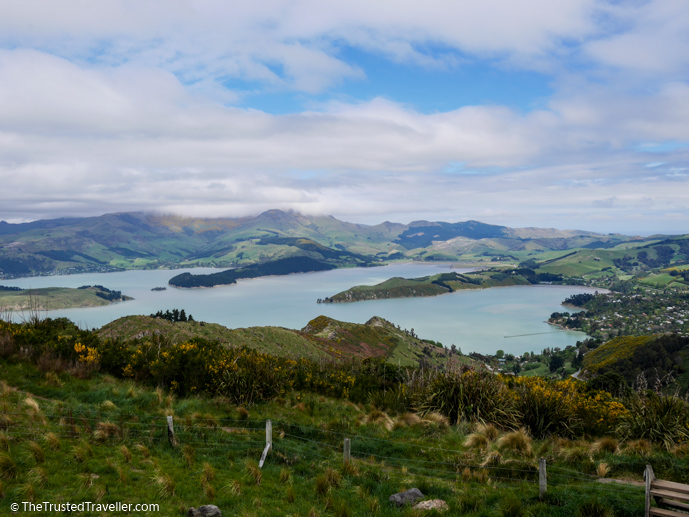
point(99, 422)
point(441, 284)
point(321, 338)
point(52, 298)
point(143, 240)
point(642, 360)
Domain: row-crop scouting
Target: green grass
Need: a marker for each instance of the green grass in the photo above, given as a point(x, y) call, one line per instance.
point(50, 298)
point(135, 463)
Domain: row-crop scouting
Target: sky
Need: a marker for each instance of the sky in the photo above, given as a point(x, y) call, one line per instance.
point(565, 114)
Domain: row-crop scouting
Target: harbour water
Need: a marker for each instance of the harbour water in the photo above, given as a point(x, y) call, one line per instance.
point(474, 320)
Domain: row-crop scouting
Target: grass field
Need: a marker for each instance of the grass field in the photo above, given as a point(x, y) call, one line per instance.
point(50, 298)
point(104, 440)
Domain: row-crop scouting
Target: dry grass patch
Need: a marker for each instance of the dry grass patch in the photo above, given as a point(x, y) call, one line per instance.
point(477, 441)
point(36, 451)
point(602, 469)
point(517, 441)
point(52, 441)
point(378, 417)
point(435, 418)
point(166, 485)
point(605, 445)
point(488, 430)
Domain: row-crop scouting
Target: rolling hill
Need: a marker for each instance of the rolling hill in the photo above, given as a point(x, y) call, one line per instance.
point(321, 338)
point(145, 240)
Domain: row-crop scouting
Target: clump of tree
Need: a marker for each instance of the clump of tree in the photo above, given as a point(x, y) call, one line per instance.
point(105, 293)
point(174, 315)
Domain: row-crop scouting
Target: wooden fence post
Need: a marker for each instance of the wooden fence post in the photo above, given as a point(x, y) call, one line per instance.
point(347, 451)
point(171, 432)
point(649, 477)
point(542, 480)
point(269, 443)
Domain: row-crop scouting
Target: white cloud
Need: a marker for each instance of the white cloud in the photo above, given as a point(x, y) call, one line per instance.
point(122, 106)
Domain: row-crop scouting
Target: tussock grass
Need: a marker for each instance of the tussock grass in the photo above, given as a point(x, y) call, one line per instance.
point(143, 450)
point(477, 441)
point(488, 430)
point(437, 419)
point(492, 459)
point(602, 469)
point(378, 417)
point(517, 442)
point(5, 440)
point(108, 405)
point(253, 472)
point(189, 454)
point(164, 482)
point(8, 467)
point(52, 441)
point(290, 495)
point(639, 447)
point(406, 420)
point(126, 453)
point(35, 450)
point(605, 445)
point(105, 430)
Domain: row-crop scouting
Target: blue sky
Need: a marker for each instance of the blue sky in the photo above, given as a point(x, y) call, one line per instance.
point(568, 114)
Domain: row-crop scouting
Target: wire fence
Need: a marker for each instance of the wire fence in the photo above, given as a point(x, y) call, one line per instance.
point(292, 443)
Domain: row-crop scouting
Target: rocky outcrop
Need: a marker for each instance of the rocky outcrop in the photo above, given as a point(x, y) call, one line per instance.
point(208, 510)
point(408, 497)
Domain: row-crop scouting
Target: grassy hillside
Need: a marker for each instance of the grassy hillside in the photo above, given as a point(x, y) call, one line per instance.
point(440, 284)
point(69, 431)
point(322, 338)
point(139, 240)
point(656, 361)
point(52, 298)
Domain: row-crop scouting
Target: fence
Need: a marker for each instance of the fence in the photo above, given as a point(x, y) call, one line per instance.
point(291, 443)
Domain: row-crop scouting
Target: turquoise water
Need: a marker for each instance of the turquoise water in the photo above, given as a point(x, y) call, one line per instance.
point(476, 320)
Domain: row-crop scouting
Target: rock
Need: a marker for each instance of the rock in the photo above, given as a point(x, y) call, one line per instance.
point(208, 510)
point(409, 497)
point(432, 504)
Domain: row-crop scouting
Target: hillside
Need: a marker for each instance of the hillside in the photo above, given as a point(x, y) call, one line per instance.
point(142, 240)
point(52, 298)
point(647, 359)
point(322, 337)
point(86, 419)
point(442, 283)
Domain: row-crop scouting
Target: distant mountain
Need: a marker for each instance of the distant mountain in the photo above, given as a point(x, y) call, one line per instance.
point(142, 240)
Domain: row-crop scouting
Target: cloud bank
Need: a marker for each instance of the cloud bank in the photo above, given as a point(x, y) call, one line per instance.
point(118, 106)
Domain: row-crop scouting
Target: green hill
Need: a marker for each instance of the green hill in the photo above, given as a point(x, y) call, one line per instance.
point(440, 284)
point(651, 359)
point(322, 337)
point(143, 240)
point(53, 298)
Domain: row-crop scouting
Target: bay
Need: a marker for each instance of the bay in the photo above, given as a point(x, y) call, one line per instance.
point(481, 321)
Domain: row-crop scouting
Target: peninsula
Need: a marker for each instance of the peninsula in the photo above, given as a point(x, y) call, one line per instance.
point(53, 298)
point(442, 283)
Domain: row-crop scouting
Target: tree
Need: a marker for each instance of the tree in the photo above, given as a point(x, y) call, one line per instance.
point(556, 362)
point(500, 354)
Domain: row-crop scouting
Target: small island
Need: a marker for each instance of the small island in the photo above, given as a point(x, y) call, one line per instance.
point(284, 266)
point(16, 299)
point(442, 283)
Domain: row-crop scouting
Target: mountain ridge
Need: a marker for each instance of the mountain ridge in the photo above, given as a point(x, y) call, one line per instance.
point(141, 240)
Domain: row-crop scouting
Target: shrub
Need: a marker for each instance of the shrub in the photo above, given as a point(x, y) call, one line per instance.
point(516, 441)
point(658, 418)
point(472, 394)
point(605, 445)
